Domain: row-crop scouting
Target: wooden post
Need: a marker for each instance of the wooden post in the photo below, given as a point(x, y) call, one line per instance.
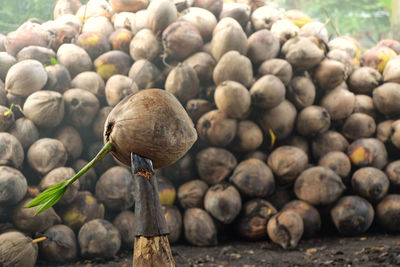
point(151, 248)
point(395, 19)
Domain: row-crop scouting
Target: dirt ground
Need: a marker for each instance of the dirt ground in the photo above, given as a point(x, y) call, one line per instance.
point(369, 250)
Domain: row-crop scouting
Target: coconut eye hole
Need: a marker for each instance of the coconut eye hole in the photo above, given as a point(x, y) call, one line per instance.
point(109, 128)
point(74, 102)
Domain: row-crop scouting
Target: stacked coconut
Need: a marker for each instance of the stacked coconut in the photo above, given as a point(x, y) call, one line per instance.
point(298, 134)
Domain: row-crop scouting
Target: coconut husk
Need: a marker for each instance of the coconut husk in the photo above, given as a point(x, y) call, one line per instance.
point(14, 185)
point(60, 245)
point(249, 137)
point(199, 228)
point(25, 131)
point(146, 75)
point(144, 45)
point(285, 228)
point(368, 152)
point(25, 77)
point(74, 58)
point(6, 62)
point(391, 72)
point(98, 238)
point(302, 53)
point(94, 43)
point(120, 39)
point(327, 142)
point(25, 219)
point(313, 120)
point(59, 79)
point(81, 106)
point(329, 74)
point(45, 108)
point(238, 11)
point(99, 120)
point(301, 92)
point(90, 81)
point(39, 53)
point(338, 162)
point(11, 151)
point(174, 222)
point(234, 67)
point(265, 16)
point(215, 164)
point(352, 215)
point(388, 211)
point(114, 189)
point(46, 154)
point(125, 223)
point(183, 83)
point(339, 103)
point(233, 99)
point(203, 63)
point(277, 67)
point(359, 125)
point(7, 119)
point(262, 45)
point(111, 63)
point(16, 249)
point(370, 183)
point(267, 92)
point(364, 80)
point(191, 194)
point(128, 6)
point(283, 30)
point(204, 20)
point(160, 14)
point(365, 104)
point(319, 186)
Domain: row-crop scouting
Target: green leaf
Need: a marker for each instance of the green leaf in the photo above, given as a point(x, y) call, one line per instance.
point(53, 199)
point(47, 194)
point(53, 61)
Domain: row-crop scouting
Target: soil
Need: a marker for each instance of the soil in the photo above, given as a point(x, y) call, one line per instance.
point(369, 250)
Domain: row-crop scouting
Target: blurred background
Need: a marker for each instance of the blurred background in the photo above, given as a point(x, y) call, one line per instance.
point(366, 20)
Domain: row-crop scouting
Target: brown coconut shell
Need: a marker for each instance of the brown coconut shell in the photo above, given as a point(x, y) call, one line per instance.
point(339, 103)
point(25, 131)
point(284, 29)
point(60, 244)
point(81, 106)
point(264, 16)
point(233, 99)
point(223, 202)
point(285, 229)
point(183, 83)
point(359, 125)
point(391, 72)
point(387, 98)
point(262, 45)
point(302, 53)
point(98, 238)
point(370, 183)
point(45, 108)
point(166, 191)
point(199, 228)
point(365, 104)
point(128, 5)
point(11, 151)
point(164, 134)
point(144, 45)
point(6, 119)
point(173, 219)
point(6, 62)
point(228, 35)
point(42, 54)
point(146, 75)
point(125, 223)
point(277, 67)
point(160, 14)
point(253, 178)
point(214, 6)
point(338, 162)
point(252, 223)
point(59, 79)
point(216, 128)
point(17, 249)
point(126, 20)
point(234, 67)
point(120, 39)
point(25, 77)
point(329, 74)
point(238, 11)
point(313, 120)
point(111, 63)
point(280, 120)
point(46, 154)
point(90, 81)
point(364, 80)
point(267, 92)
point(319, 186)
point(98, 24)
point(191, 194)
point(203, 19)
point(63, 7)
point(84, 208)
point(114, 189)
point(215, 164)
point(249, 137)
point(74, 58)
point(118, 87)
point(71, 140)
point(14, 185)
point(203, 63)
point(287, 162)
point(388, 212)
point(352, 215)
point(94, 43)
point(368, 152)
point(25, 219)
point(327, 142)
point(182, 171)
point(98, 122)
point(301, 92)
point(393, 173)
point(181, 39)
point(198, 107)
point(309, 214)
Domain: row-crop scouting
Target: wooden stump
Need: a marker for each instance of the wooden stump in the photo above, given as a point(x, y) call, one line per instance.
point(152, 252)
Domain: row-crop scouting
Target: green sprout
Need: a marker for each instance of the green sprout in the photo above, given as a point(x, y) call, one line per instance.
point(8, 112)
point(52, 195)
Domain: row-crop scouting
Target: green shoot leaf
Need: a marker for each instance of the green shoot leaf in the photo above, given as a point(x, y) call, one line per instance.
point(47, 194)
point(53, 61)
point(53, 199)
